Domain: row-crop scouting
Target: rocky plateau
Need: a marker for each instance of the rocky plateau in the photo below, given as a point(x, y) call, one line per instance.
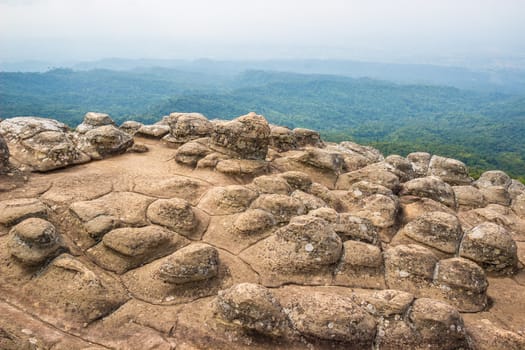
point(212, 234)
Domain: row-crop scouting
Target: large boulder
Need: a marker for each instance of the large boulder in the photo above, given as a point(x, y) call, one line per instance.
point(452, 171)
point(188, 126)
point(94, 120)
point(4, 155)
point(105, 141)
point(246, 137)
point(430, 187)
point(40, 144)
point(253, 307)
point(420, 162)
point(491, 246)
point(33, 241)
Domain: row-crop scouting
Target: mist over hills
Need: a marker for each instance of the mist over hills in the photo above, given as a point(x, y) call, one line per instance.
point(478, 117)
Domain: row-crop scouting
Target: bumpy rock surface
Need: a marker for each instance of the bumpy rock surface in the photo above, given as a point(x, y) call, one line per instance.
point(4, 155)
point(244, 235)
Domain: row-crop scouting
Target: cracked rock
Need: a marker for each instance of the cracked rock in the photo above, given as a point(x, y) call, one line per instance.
point(194, 263)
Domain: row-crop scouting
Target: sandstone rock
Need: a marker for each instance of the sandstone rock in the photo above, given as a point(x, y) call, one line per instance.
point(13, 211)
point(430, 187)
point(40, 144)
point(463, 283)
point(388, 302)
point(210, 160)
point(282, 138)
point(327, 214)
point(105, 141)
point(469, 197)
point(518, 205)
point(491, 246)
point(403, 168)
point(131, 127)
point(253, 307)
point(297, 180)
point(246, 137)
point(413, 207)
point(493, 178)
point(194, 263)
point(183, 187)
point(227, 200)
point(496, 195)
point(253, 221)
point(177, 215)
point(94, 120)
point(236, 167)
point(333, 317)
point(381, 211)
point(310, 201)
point(378, 173)
point(420, 162)
point(125, 248)
point(452, 171)
point(371, 154)
point(351, 227)
point(361, 266)
point(282, 207)
point(271, 184)
point(75, 290)
point(155, 131)
point(409, 267)
point(321, 158)
point(486, 336)
point(33, 241)
point(189, 126)
point(328, 197)
point(191, 152)
point(4, 155)
point(307, 137)
point(516, 188)
point(439, 326)
point(438, 230)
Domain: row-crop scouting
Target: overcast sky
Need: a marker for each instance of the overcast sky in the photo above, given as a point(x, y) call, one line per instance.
point(382, 30)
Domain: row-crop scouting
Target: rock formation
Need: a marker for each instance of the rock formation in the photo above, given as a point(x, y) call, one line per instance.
point(240, 234)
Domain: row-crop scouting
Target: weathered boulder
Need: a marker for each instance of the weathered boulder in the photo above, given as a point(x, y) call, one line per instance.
point(382, 212)
point(227, 200)
point(131, 127)
point(75, 290)
point(371, 154)
point(272, 184)
point(438, 230)
point(378, 173)
point(252, 307)
point(12, 211)
point(234, 167)
point(420, 162)
point(518, 205)
point(125, 248)
point(486, 336)
point(409, 267)
point(194, 263)
point(360, 266)
point(452, 171)
point(104, 141)
point(246, 137)
point(177, 215)
point(351, 227)
point(40, 144)
point(463, 284)
point(297, 180)
point(469, 197)
point(154, 131)
point(493, 178)
point(282, 138)
point(188, 126)
point(33, 241)
point(402, 167)
point(491, 246)
point(94, 120)
point(282, 207)
point(430, 187)
point(333, 317)
point(4, 155)
point(307, 137)
point(438, 325)
point(388, 302)
point(253, 221)
point(322, 159)
point(310, 201)
point(191, 152)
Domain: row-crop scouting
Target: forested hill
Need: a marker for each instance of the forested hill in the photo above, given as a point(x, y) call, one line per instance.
point(486, 130)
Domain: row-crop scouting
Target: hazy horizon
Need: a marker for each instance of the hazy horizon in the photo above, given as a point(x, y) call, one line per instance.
point(438, 32)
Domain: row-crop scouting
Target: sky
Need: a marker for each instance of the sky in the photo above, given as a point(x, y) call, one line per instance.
point(409, 31)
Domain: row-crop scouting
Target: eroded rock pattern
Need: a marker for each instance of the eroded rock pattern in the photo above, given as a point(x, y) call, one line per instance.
point(251, 235)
